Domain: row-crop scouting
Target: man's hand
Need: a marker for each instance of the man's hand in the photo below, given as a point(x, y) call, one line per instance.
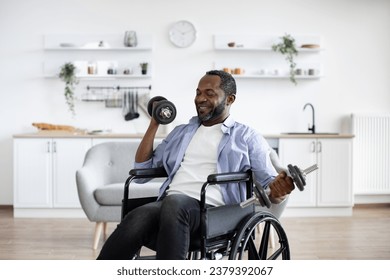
point(280, 187)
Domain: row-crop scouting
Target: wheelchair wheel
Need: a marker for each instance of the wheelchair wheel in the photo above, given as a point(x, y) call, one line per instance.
point(253, 246)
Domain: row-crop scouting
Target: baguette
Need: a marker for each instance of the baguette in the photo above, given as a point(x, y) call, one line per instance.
point(48, 126)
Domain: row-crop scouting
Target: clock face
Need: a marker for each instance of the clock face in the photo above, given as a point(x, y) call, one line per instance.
point(182, 34)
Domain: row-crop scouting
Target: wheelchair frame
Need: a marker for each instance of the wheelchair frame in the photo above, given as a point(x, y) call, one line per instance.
point(237, 239)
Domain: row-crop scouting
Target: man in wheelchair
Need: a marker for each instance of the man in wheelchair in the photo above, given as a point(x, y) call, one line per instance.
point(212, 142)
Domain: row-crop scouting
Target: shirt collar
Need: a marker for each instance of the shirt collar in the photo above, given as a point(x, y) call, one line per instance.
point(226, 125)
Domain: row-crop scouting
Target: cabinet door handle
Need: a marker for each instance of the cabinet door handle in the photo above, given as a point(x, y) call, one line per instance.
point(54, 147)
point(48, 147)
point(319, 147)
point(313, 147)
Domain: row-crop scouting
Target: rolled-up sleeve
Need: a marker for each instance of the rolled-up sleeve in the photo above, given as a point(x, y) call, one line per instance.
point(262, 167)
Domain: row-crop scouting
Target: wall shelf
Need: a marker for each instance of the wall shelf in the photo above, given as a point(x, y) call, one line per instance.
point(104, 77)
point(102, 51)
point(262, 42)
point(253, 76)
point(89, 42)
point(253, 57)
point(243, 49)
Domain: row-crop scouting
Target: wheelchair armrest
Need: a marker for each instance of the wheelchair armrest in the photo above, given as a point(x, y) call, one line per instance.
point(229, 177)
point(140, 173)
point(148, 172)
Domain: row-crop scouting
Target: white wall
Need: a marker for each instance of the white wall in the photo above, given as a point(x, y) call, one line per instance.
point(356, 61)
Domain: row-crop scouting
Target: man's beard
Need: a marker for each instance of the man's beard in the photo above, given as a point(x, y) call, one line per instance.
point(214, 113)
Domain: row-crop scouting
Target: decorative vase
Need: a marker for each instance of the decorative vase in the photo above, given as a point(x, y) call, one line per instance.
point(130, 39)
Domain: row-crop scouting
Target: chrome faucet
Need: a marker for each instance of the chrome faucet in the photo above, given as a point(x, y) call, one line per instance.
point(313, 127)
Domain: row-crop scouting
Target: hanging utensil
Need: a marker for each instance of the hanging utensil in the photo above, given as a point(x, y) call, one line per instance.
point(124, 104)
point(131, 113)
point(136, 114)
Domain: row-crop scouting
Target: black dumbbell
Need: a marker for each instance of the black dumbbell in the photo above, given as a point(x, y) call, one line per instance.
point(297, 175)
point(164, 111)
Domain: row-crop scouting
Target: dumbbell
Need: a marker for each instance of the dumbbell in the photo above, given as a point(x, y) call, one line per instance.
point(297, 175)
point(164, 111)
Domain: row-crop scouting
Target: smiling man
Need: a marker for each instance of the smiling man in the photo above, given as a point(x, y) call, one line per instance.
point(212, 142)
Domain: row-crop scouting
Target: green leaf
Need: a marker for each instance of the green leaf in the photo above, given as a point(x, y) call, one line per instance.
point(288, 48)
point(68, 75)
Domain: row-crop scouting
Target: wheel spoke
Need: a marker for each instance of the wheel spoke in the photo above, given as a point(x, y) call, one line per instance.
point(277, 253)
point(263, 250)
point(247, 246)
point(252, 251)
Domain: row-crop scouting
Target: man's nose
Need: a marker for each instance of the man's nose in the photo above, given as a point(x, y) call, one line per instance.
point(200, 98)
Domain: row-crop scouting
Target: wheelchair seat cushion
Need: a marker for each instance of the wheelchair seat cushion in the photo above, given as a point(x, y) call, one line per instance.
point(225, 219)
point(112, 194)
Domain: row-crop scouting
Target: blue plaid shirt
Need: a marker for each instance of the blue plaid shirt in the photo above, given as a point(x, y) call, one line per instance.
point(240, 149)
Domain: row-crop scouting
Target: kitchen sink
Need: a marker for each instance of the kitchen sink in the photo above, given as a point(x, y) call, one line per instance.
point(309, 133)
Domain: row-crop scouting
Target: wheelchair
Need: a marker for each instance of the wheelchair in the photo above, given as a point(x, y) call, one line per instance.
point(226, 232)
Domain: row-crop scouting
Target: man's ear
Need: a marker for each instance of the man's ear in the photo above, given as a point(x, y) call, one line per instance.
point(230, 99)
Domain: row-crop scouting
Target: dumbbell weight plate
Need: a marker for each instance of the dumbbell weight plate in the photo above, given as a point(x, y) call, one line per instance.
point(295, 175)
point(261, 195)
point(300, 174)
point(151, 101)
point(164, 112)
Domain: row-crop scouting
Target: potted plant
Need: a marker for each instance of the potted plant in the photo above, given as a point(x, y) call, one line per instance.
point(287, 47)
point(68, 75)
point(144, 68)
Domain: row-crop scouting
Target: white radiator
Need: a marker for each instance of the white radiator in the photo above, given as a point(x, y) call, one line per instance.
point(371, 154)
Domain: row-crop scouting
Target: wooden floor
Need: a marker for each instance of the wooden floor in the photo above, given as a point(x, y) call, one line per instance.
point(364, 236)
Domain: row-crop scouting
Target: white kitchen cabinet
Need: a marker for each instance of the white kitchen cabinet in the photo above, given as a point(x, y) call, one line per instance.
point(96, 141)
point(44, 172)
point(328, 188)
point(68, 157)
point(32, 173)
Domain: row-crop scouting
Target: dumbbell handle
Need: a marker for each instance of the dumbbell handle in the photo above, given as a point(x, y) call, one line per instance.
point(310, 169)
point(260, 196)
point(305, 171)
point(166, 113)
point(249, 201)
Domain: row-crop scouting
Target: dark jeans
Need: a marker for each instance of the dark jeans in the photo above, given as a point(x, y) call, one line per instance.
point(165, 226)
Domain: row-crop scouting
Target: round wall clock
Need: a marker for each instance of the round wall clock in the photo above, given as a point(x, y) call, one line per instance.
point(182, 34)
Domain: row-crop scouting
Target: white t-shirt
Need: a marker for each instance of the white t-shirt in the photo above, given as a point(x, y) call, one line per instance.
point(200, 160)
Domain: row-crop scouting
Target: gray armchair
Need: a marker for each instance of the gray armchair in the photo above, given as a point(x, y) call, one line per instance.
point(100, 183)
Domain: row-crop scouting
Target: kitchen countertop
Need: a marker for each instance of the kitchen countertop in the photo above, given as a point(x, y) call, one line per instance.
point(67, 134)
point(309, 135)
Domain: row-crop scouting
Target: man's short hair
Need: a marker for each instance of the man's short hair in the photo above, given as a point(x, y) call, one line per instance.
point(228, 84)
